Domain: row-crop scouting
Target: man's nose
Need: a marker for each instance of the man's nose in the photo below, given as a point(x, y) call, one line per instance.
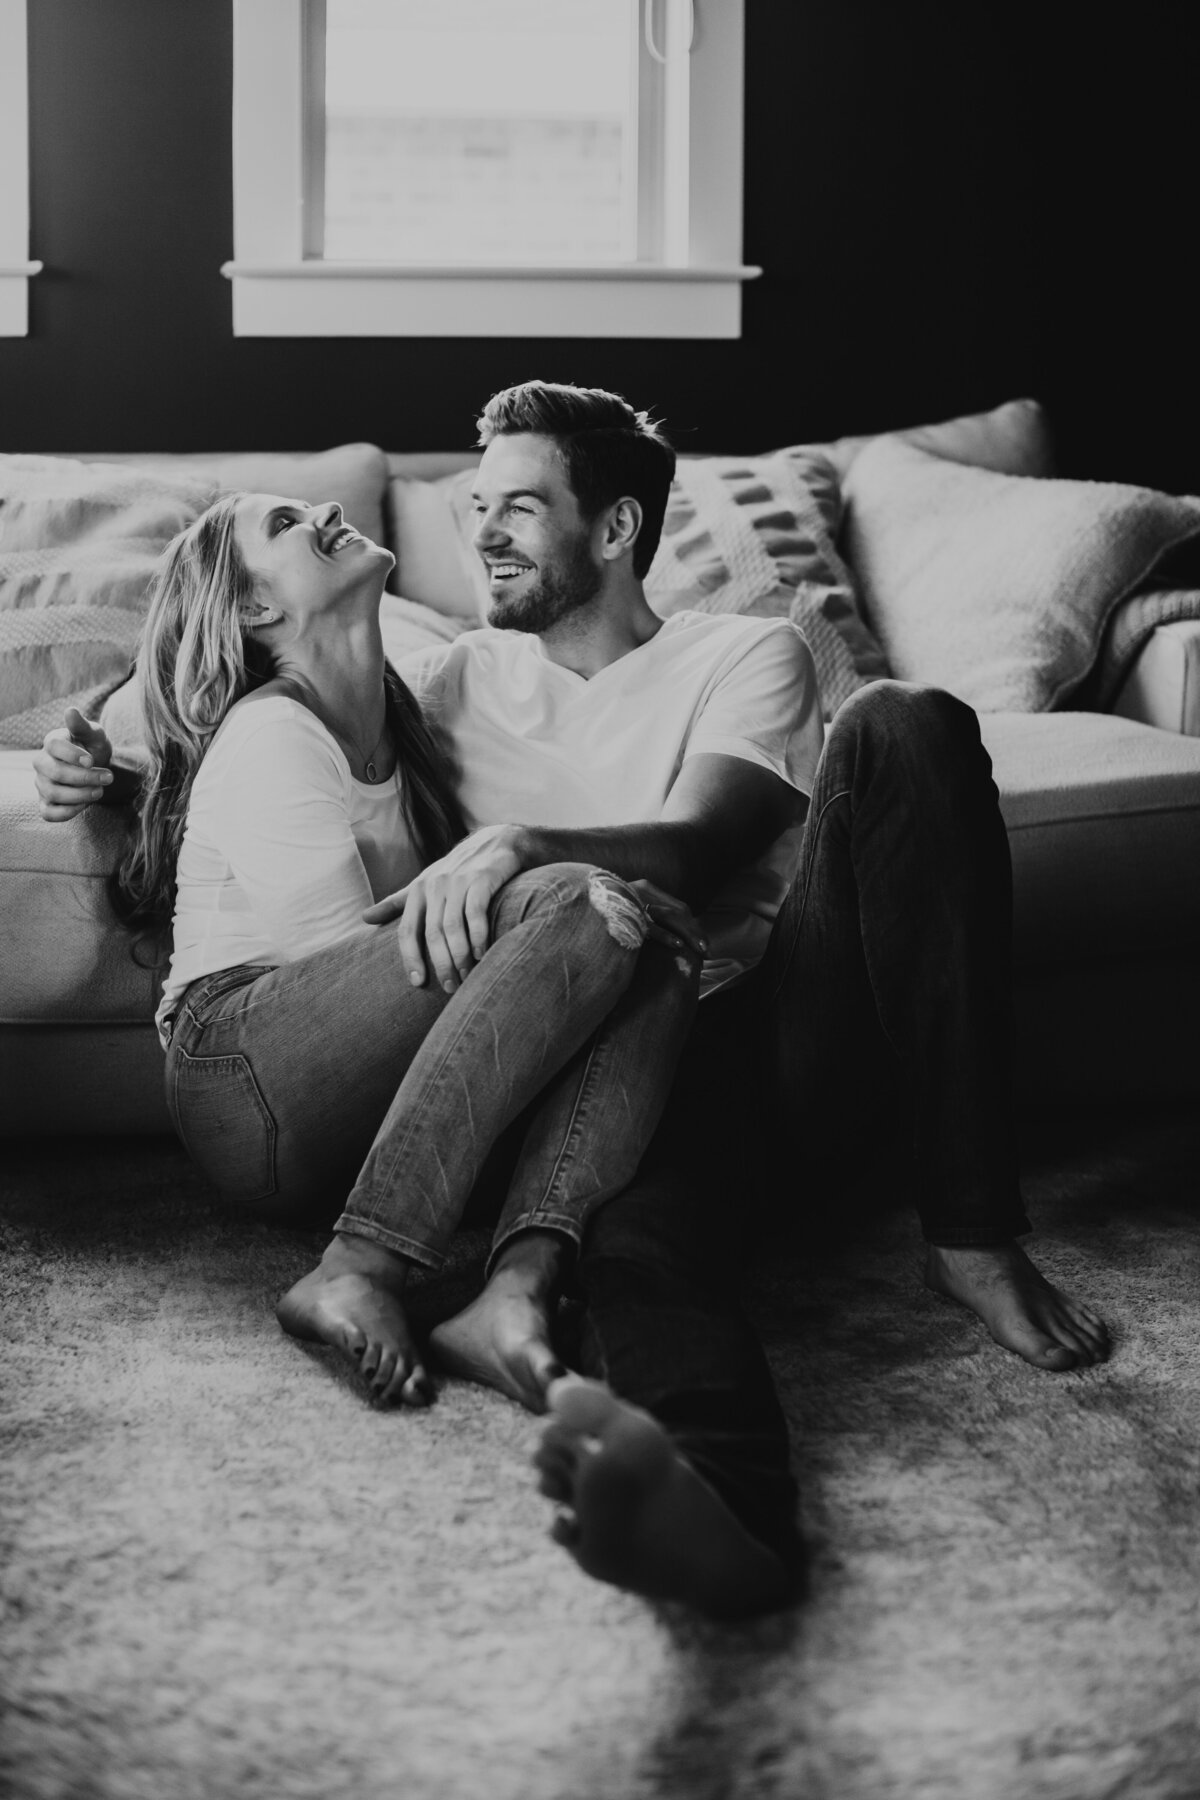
point(487, 532)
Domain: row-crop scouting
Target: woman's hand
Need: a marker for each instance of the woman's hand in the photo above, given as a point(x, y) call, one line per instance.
point(668, 920)
point(443, 912)
point(71, 769)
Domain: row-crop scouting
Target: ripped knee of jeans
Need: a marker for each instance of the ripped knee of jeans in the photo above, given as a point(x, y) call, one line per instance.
point(619, 907)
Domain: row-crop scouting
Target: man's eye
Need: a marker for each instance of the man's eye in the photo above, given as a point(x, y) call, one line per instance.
point(515, 507)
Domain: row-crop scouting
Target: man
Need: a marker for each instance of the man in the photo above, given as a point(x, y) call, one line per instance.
point(856, 905)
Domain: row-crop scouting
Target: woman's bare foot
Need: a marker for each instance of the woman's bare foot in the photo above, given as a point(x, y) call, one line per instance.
point(633, 1512)
point(352, 1300)
point(502, 1339)
point(1018, 1305)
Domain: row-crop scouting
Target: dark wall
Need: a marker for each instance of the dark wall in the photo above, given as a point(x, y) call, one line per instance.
point(949, 214)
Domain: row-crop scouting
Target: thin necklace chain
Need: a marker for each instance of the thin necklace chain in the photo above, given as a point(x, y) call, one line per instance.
point(368, 762)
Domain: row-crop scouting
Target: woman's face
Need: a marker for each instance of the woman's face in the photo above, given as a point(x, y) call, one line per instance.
point(306, 559)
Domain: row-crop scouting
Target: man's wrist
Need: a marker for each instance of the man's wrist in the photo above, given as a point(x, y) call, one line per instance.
point(523, 841)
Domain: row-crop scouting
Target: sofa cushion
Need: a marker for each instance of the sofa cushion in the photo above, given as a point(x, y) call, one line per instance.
point(1103, 819)
point(999, 587)
point(1013, 439)
point(73, 963)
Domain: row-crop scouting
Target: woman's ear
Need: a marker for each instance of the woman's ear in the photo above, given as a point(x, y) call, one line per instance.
point(256, 613)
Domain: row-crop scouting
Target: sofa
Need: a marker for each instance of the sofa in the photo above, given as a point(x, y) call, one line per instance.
point(1067, 612)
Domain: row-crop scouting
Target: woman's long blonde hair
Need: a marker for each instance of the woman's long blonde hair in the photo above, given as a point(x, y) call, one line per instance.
point(198, 657)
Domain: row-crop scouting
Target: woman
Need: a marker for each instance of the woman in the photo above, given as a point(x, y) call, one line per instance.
point(292, 783)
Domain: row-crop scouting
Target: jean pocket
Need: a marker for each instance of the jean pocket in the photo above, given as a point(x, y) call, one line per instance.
point(224, 1123)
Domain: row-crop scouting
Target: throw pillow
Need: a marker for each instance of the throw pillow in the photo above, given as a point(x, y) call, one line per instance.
point(757, 535)
point(435, 564)
point(999, 587)
point(78, 545)
point(355, 475)
point(1013, 439)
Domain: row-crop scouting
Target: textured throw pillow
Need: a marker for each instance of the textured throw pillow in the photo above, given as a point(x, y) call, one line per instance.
point(757, 535)
point(999, 587)
point(78, 545)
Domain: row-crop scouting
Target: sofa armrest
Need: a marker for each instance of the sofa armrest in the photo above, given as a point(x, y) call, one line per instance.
point(1163, 686)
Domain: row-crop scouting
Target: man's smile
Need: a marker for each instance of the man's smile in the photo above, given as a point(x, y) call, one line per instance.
point(506, 569)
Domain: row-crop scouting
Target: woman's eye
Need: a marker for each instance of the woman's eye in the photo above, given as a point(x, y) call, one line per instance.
point(282, 522)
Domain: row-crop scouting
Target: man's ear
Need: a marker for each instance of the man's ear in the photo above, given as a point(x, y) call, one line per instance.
point(621, 528)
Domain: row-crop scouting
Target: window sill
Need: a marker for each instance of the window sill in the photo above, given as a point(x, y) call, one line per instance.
point(328, 299)
point(14, 297)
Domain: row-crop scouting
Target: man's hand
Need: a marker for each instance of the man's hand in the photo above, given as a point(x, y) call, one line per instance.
point(71, 769)
point(443, 913)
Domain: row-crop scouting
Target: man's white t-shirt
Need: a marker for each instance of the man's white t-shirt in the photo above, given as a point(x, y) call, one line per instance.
point(536, 744)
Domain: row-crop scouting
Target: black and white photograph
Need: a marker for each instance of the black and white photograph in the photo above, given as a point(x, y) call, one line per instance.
point(599, 901)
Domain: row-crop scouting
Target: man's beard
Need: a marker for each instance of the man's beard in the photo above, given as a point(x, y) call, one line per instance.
point(554, 593)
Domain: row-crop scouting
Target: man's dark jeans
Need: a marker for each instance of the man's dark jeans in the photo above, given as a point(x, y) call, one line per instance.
point(885, 993)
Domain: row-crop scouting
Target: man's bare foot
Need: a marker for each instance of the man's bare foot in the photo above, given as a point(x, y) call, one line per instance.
point(633, 1512)
point(1018, 1305)
point(352, 1300)
point(502, 1339)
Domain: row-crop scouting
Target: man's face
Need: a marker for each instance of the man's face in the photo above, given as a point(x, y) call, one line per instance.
point(535, 544)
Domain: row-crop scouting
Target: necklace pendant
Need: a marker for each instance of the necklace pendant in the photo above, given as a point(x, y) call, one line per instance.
point(371, 772)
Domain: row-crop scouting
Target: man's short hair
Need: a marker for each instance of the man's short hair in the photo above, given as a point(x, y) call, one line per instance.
point(608, 449)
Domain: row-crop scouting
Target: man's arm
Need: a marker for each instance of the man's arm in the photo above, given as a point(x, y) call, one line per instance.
point(74, 770)
point(721, 813)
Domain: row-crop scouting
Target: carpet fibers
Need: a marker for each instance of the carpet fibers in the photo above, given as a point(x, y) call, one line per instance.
point(225, 1574)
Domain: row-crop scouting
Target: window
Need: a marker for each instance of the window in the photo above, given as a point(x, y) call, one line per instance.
point(15, 267)
point(499, 168)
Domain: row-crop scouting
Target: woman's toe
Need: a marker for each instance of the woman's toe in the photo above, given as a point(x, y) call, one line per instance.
point(417, 1389)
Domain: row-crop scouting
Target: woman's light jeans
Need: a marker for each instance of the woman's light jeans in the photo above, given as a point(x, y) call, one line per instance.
point(334, 1083)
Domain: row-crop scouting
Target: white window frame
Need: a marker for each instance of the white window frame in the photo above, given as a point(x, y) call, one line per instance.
point(281, 288)
point(15, 266)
